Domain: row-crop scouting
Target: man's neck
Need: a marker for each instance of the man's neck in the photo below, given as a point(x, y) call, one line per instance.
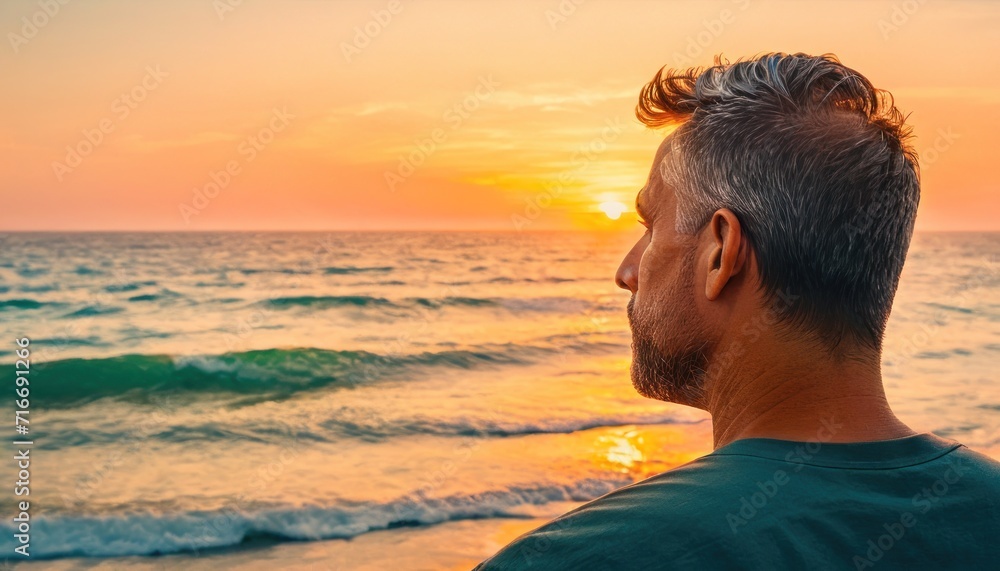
point(800, 393)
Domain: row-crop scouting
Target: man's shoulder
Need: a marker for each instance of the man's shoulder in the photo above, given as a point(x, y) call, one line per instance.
point(985, 471)
point(988, 465)
point(657, 517)
point(719, 505)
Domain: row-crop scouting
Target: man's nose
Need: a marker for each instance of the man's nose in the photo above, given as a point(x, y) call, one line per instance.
point(627, 276)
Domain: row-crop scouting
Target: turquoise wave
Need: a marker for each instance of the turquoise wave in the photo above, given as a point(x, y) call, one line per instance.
point(263, 374)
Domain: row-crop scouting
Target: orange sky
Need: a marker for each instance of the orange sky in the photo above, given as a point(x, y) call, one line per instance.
point(443, 115)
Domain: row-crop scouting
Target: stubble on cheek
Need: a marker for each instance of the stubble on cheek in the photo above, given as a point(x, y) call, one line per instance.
point(668, 364)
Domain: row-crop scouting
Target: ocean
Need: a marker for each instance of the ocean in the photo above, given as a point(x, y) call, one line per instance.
point(380, 400)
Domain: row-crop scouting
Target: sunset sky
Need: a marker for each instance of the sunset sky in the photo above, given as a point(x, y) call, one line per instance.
point(338, 115)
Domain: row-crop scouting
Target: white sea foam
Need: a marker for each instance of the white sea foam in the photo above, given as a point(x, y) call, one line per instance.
point(152, 534)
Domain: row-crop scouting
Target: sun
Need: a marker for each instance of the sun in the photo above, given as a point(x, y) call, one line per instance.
point(613, 209)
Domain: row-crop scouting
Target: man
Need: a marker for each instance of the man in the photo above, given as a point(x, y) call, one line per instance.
point(778, 215)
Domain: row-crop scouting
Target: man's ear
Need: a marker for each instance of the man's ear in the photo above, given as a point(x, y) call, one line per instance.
point(728, 253)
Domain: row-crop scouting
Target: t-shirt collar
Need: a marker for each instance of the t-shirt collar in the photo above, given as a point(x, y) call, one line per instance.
point(878, 454)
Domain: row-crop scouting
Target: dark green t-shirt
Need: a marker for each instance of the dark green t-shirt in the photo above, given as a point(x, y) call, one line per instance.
point(920, 502)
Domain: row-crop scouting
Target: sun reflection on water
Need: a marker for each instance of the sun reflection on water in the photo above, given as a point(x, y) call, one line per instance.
point(641, 451)
point(623, 450)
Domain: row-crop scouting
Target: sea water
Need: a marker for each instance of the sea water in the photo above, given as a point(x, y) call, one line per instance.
point(191, 392)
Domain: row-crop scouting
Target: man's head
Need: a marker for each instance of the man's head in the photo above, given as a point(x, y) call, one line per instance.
point(785, 199)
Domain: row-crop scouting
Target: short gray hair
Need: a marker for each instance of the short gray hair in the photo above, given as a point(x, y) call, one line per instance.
point(815, 162)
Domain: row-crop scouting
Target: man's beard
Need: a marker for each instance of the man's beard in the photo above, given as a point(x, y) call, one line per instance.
point(668, 375)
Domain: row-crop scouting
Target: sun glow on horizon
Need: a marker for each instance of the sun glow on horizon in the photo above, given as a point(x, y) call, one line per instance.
point(613, 209)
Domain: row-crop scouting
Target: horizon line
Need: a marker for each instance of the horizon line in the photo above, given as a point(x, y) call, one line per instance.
point(387, 230)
